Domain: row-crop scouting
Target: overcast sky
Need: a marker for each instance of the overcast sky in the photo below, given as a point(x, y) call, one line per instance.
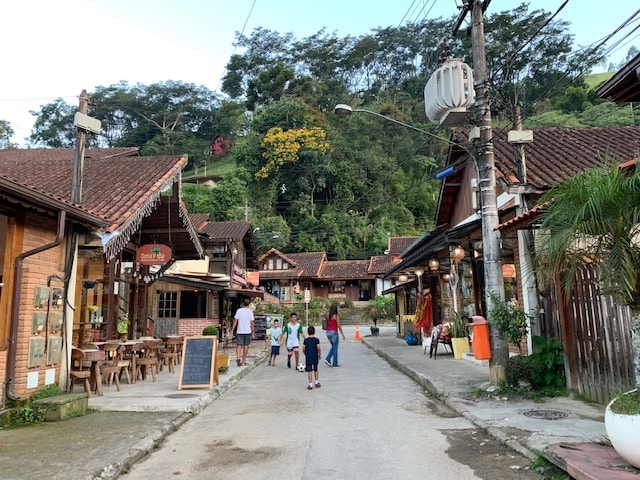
point(55, 48)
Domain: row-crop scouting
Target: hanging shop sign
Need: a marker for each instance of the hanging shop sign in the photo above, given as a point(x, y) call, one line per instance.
point(153, 254)
point(239, 274)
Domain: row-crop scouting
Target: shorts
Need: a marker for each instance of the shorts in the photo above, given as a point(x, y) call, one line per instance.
point(243, 339)
point(311, 367)
point(275, 349)
point(293, 349)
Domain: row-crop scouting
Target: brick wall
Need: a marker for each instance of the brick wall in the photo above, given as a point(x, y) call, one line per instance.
point(194, 326)
point(36, 268)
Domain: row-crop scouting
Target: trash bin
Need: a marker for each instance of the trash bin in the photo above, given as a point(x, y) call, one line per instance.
point(480, 341)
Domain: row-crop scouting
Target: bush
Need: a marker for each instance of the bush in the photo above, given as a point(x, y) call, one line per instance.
point(518, 369)
point(210, 330)
point(547, 365)
point(542, 370)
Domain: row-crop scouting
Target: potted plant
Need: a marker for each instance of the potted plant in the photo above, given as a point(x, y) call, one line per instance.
point(600, 228)
point(379, 308)
point(222, 359)
point(123, 326)
point(459, 329)
point(622, 422)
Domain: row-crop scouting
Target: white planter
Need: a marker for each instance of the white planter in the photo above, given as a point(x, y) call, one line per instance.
point(623, 433)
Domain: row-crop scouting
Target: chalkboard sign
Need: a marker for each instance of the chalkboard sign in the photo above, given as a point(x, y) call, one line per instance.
point(198, 368)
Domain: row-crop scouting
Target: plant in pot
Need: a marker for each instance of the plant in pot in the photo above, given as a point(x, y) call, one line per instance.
point(123, 326)
point(222, 359)
point(593, 218)
point(459, 329)
point(379, 308)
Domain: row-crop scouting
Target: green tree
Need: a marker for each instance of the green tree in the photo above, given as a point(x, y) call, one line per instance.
point(54, 125)
point(594, 217)
point(6, 133)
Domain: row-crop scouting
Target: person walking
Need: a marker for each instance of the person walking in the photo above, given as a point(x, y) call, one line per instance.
point(244, 321)
point(333, 329)
point(293, 332)
point(275, 334)
point(312, 355)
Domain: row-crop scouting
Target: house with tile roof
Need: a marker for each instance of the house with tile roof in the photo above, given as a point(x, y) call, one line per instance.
point(287, 276)
point(208, 291)
point(457, 284)
point(73, 263)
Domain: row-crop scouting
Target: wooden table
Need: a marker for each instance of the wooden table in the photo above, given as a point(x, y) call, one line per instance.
point(95, 357)
point(133, 346)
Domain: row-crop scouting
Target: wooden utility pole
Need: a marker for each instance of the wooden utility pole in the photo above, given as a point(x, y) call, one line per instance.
point(493, 279)
point(78, 165)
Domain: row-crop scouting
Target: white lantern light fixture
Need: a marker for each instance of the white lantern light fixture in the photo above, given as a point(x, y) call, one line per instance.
point(434, 264)
point(403, 278)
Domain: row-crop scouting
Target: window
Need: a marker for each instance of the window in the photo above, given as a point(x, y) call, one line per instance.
point(193, 304)
point(168, 305)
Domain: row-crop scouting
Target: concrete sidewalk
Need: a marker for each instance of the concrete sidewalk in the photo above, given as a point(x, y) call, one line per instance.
point(131, 423)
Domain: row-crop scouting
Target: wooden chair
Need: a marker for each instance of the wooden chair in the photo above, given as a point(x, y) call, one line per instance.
point(149, 360)
point(168, 355)
point(79, 371)
point(110, 369)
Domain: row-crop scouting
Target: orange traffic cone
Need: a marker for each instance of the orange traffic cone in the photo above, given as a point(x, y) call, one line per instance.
point(356, 337)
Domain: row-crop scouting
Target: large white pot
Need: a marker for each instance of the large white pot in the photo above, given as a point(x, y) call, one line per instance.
point(623, 431)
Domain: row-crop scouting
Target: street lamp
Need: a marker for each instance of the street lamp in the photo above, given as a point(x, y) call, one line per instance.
point(346, 110)
point(485, 167)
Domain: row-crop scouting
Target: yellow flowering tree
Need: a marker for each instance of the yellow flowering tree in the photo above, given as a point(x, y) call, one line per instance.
point(286, 146)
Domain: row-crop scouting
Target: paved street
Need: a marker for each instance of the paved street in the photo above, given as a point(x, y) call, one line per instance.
point(366, 421)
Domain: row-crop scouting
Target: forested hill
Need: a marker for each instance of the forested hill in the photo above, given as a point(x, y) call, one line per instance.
point(310, 180)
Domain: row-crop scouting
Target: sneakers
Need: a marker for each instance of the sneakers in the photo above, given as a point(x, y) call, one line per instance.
point(289, 362)
point(309, 387)
point(239, 362)
point(326, 362)
point(318, 385)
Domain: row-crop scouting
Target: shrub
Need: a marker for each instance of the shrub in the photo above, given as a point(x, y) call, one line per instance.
point(547, 365)
point(518, 369)
point(210, 330)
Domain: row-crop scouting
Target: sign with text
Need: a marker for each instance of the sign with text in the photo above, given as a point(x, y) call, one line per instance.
point(198, 368)
point(153, 254)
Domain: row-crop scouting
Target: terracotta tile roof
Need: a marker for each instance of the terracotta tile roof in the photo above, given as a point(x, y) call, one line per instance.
point(397, 245)
point(346, 270)
point(198, 219)
point(306, 264)
point(120, 188)
point(225, 231)
point(555, 155)
point(381, 263)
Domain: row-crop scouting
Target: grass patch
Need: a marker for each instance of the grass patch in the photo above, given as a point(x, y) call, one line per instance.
point(627, 404)
point(548, 470)
point(26, 412)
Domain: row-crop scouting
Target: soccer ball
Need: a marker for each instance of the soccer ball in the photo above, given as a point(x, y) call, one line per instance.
point(300, 367)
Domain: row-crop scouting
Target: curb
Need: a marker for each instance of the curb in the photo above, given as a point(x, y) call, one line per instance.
point(453, 405)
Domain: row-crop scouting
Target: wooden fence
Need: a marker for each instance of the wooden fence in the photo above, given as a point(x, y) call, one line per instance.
point(596, 337)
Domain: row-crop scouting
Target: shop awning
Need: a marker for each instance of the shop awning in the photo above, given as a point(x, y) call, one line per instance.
point(243, 292)
point(432, 244)
point(403, 286)
point(194, 282)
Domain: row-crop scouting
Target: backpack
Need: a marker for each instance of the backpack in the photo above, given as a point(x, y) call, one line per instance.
point(324, 323)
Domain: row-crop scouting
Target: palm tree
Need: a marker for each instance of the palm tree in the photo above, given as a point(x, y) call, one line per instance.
point(594, 217)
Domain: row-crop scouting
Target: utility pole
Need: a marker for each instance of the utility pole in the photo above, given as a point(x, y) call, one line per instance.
point(78, 165)
point(493, 280)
